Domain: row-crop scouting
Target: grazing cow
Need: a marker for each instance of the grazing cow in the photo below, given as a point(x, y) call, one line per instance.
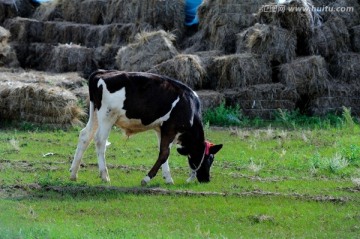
point(138, 102)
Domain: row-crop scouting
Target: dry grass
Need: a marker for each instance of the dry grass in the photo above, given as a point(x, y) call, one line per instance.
point(7, 54)
point(301, 22)
point(330, 38)
point(186, 68)
point(148, 50)
point(345, 67)
point(308, 75)
point(38, 103)
point(239, 70)
point(271, 42)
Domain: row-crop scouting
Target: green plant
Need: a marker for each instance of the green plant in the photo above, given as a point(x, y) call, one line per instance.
point(224, 116)
point(348, 119)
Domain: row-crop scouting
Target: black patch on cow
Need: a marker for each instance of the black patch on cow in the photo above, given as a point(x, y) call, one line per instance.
point(148, 96)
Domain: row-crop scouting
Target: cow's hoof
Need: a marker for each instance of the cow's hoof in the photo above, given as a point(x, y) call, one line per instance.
point(105, 176)
point(145, 181)
point(73, 178)
point(169, 181)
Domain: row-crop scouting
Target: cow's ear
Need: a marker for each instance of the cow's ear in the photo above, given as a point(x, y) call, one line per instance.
point(183, 151)
point(215, 148)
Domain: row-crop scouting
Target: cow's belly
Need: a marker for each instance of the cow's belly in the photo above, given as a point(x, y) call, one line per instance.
point(133, 126)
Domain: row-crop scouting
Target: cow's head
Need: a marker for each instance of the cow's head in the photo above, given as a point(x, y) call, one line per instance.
point(200, 160)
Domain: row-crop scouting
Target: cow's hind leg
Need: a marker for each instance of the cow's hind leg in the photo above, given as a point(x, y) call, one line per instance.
point(101, 137)
point(85, 137)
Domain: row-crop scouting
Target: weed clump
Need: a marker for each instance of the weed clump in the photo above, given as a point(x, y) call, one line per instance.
point(224, 116)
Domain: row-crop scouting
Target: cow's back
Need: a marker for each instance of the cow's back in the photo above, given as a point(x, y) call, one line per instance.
point(144, 99)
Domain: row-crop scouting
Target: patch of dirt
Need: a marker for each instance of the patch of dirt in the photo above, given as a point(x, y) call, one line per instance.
point(21, 190)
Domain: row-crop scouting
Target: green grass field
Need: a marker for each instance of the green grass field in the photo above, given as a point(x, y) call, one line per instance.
point(266, 183)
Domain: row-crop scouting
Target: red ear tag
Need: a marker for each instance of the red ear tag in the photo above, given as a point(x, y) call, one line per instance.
point(207, 147)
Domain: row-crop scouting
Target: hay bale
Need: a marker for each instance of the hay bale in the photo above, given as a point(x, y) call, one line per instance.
point(262, 100)
point(220, 21)
point(238, 70)
point(308, 75)
point(38, 104)
point(148, 50)
point(339, 95)
point(355, 38)
point(168, 15)
point(345, 67)
point(210, 99)
point(26, 30)
point(185, 68)
point(348, 10)
point(69, 81)
point(330, 38)
point(88, 11)
point(7, 53)
point(300, 22)
point(71, 57)
point(270, 42)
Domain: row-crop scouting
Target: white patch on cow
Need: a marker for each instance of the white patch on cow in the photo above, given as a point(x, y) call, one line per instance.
point(197, 96)
point(114, 103)
point(145, 180)
point(167, 115)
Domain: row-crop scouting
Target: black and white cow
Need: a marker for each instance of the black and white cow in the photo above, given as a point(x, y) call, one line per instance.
point(138, 102)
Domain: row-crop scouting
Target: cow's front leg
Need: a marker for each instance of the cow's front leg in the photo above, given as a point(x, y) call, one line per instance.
point(165, 144)
point(166, 173)
point(165, 166)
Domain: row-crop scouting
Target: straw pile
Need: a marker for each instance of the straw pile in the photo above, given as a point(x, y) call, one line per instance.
point(262, 100)
point(220, 21)
point(355, 38)
point(300, 22)
point(210, 99)
point(38, 104)
point(7, 54)
point(345, 67)
point(149, 49)
point(185, 68)
point(26, 30)
point(308, 75)
point(350, 16)
point(238, 70)
point(339, 95)
point(167, 15)
point(330, 38)
point(91, 12)
point(22, 8)
point(270, 42)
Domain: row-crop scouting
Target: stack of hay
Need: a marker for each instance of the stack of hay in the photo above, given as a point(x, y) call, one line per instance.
point(344, 89)
point(238, 70)
point(7, 54)
point(167, 15)
point(220, 21)
point(149, 49)
point(185, 68)
point(330, 38)
point(25, 30)
point(308, 75)
point(262, 100)
point(272, 43)
point(355, 38)
point(38, 103)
